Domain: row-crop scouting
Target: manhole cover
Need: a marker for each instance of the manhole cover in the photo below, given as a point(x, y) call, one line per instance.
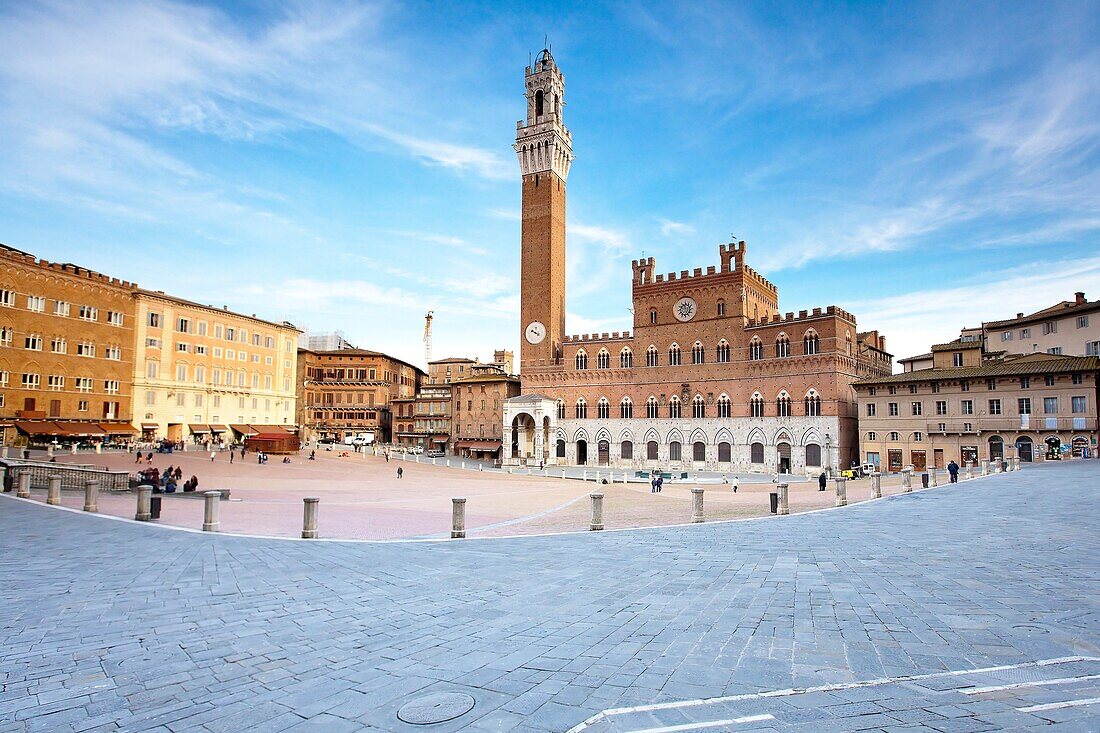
point(435, 708)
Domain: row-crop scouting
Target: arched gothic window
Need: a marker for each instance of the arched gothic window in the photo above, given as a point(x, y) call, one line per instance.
point(810, 343)
point(698, 407)
point(651, 407)
point(697, 353)
point(813, 454)
point(722, 354)
point(561, 409)
point(756, 405)
point(626, 358)
point(721, 307)
point(756, 451)
point(724, 408)
point(652, 315)
point(538, 103)
point(651, 450)
point(674, 355)
point(651, 356)
point(674, 406)
point(603, 409)
point(674, 450)
point(782, 345)
point(813, 404)
point(582, 360)
point(603, 359)
point(626, 408)
point(783, 405)
point(581, 409)
point(756, 349)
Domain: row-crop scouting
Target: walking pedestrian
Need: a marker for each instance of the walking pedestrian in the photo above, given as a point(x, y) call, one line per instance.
point(660, 483)
point(821, 480)
point(399, 472)
point(653, 484)
point(735, 484)
point(231, 454)
point(212, 456)
point(953, 469)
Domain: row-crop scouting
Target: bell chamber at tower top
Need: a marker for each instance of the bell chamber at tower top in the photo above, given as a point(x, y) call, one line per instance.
point(543, 143)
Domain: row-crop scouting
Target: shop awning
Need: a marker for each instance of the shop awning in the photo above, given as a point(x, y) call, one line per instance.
point(278, 430)
point(282, 435)
point(199, 428)
point(150, 426)
point(245, 430)
point(39, 428)
point(77, 429)
point(219, 429)
point(439, 440)
point(120, 428)
point(478, 444)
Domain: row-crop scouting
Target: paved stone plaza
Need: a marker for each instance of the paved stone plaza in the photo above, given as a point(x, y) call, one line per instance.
point(965, 608)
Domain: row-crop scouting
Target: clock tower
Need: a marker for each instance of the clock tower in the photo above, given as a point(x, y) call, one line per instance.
point(545, 150)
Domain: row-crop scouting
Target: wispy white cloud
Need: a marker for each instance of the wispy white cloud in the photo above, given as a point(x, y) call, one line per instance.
point(671, 228)
point(445, 240)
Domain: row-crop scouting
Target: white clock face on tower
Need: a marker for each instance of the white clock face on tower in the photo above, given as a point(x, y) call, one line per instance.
point(685, 309)
point(535, 332)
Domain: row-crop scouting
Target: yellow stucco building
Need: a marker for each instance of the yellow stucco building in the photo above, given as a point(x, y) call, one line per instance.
point(205, 374)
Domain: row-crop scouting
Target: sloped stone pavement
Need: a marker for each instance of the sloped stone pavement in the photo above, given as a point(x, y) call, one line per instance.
point(108, 625)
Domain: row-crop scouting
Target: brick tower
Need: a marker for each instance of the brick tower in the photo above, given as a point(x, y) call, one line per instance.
point(545, 150)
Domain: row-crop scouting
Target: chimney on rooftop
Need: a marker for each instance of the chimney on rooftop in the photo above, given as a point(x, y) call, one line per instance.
point(1080, 297)
point(1019, 315)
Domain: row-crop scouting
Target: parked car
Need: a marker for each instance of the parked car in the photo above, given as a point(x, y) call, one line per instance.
point(435, 454)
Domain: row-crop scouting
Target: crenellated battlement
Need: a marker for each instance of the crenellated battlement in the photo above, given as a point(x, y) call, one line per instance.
point(790, 318)
point(595, 338)
point(68, 268)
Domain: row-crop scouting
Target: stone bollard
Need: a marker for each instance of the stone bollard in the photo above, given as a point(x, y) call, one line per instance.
point(4, 454)
point(91, 496)
point(841, 491)
point(53, 490)
point(597, 477)
point(1016, 463)
point(210, 511)
point(458, 518)
point(784, 491)
point(876, 485)
point(932, 477)
point(309, 518)
point(448, 463)
point(144, 499)
point(463, 464)
point(584, 475)
point(597, 512)
point(906, 480)
point(49, 451)
point(697, 505)
point(985, 467)
point(98, 447)
point(24, 485)
point(969, 470)
point(72, 449)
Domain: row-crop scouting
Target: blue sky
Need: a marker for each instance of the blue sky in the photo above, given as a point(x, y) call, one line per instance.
point(348, 165)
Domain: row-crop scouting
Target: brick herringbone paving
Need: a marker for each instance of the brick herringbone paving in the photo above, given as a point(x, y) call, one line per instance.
point(109, 625)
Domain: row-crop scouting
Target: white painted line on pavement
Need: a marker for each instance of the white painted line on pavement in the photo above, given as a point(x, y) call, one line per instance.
point(1037, 683)
point(1059, 705)
point(821, 688)
point(707, 724)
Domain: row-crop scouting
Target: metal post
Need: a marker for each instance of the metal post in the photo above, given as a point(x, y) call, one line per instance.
point(91, 496)
point(876, 485)
point(906, 480)
point(841, 491)
point(697, 505)
point(784, 491)
point(24, 485)
point(210, 514)
point(53, 490)
point(309, 518)
point(458, 518)
point(597, 512)
point(144, 499)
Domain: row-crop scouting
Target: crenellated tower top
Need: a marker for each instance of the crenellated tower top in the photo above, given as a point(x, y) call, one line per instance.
point(543, 143)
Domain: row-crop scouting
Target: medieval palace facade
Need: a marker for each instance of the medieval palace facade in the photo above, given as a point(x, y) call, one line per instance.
point(713, 376)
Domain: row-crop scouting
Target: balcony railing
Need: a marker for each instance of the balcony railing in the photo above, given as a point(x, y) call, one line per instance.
point(1033, 423)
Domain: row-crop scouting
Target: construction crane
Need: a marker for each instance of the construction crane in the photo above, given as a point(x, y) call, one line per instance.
point(428, 337)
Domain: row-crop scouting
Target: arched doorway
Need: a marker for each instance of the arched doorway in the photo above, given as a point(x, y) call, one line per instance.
point(651, 450)
point(996, 448)
point(784, 452)
point(813, 454)
point(523, 436)
point(1024, 449)
point(582, 452)
point(699, 451)
point(1054, 448)
point(560, 452)
point(603, 453)
point(723, 452)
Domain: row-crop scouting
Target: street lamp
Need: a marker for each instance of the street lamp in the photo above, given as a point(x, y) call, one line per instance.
point(828, 453)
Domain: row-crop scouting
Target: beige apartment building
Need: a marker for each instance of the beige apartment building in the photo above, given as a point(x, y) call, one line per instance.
point(207, 375)
point(972, 405)
point(1071, 328)
point(66, 349)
